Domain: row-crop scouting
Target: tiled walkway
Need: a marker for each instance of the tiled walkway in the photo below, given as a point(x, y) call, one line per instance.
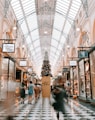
point(42, 110)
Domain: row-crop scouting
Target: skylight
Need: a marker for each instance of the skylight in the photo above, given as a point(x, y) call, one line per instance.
point(26, 13)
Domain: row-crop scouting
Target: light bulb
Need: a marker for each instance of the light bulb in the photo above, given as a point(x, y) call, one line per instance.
point(45, 32)
point(77, 29)
point(14, 28)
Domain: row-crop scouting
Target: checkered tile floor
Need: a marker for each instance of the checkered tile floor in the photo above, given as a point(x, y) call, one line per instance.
point(42, 110)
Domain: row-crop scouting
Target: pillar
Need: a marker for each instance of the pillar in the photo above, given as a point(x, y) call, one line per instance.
point(46, 88)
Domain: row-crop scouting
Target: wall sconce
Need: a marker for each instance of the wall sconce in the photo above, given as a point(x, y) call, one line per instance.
point(77, 29)
point(15, 28)
point(23, 46)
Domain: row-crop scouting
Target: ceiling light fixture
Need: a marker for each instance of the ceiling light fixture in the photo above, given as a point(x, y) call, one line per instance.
point(45, 32)
point(68, 46)
point(23, 46)
point(14, 28)
point(78, 29)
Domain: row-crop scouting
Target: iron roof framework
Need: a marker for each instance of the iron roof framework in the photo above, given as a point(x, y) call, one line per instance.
point(26, 13)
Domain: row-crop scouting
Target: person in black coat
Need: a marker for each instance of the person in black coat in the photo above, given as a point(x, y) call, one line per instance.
point(22, 92)
point(59, 94)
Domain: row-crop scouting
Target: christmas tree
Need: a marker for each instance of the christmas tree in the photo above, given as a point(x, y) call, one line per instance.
point(46, 71)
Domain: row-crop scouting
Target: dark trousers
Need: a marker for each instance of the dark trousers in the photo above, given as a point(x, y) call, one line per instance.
point(57, 115)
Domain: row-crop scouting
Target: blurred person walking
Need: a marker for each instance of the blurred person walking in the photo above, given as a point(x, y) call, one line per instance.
point(59, 94)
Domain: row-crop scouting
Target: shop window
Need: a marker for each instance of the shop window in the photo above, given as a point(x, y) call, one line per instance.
point(18, 74)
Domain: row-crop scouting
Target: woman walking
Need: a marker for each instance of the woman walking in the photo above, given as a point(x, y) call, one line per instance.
point(30, 92)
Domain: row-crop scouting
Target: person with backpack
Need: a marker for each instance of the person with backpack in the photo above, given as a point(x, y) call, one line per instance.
point(30, 92)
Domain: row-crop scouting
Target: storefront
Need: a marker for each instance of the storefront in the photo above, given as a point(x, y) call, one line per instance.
point(7, 78)
point(66, 79)
point(85, 91)
point(92, 68)
point(18, 81)
point(66, 73)
point(74, 81)
point(18, 75)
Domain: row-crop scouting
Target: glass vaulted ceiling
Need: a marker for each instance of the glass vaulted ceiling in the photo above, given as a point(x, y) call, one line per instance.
point(25, 11)
point(65, 13)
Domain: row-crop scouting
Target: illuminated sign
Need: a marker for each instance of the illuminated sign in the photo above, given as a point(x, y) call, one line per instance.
point(65, 70)
point(8, 47)
point(73, 63)
point(83, 54)
point(23, 63)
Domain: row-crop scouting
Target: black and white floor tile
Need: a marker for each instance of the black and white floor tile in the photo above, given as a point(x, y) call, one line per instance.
point(42, 110)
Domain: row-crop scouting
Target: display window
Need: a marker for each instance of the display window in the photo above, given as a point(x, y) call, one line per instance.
point(87, 79)
point(92, 69)
point(82, 92)
point(7, 77)
point(74, 81)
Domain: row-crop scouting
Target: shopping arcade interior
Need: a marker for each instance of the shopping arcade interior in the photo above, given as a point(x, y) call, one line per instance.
point(50, 36)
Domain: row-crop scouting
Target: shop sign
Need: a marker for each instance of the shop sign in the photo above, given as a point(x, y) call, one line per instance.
point(65, 70)
point(8, 47)
point(29, 69)
point(73, 63)
point(83, 54)
point(23, 63)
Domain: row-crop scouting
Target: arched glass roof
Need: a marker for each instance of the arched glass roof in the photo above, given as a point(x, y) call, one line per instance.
point(64, 15)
